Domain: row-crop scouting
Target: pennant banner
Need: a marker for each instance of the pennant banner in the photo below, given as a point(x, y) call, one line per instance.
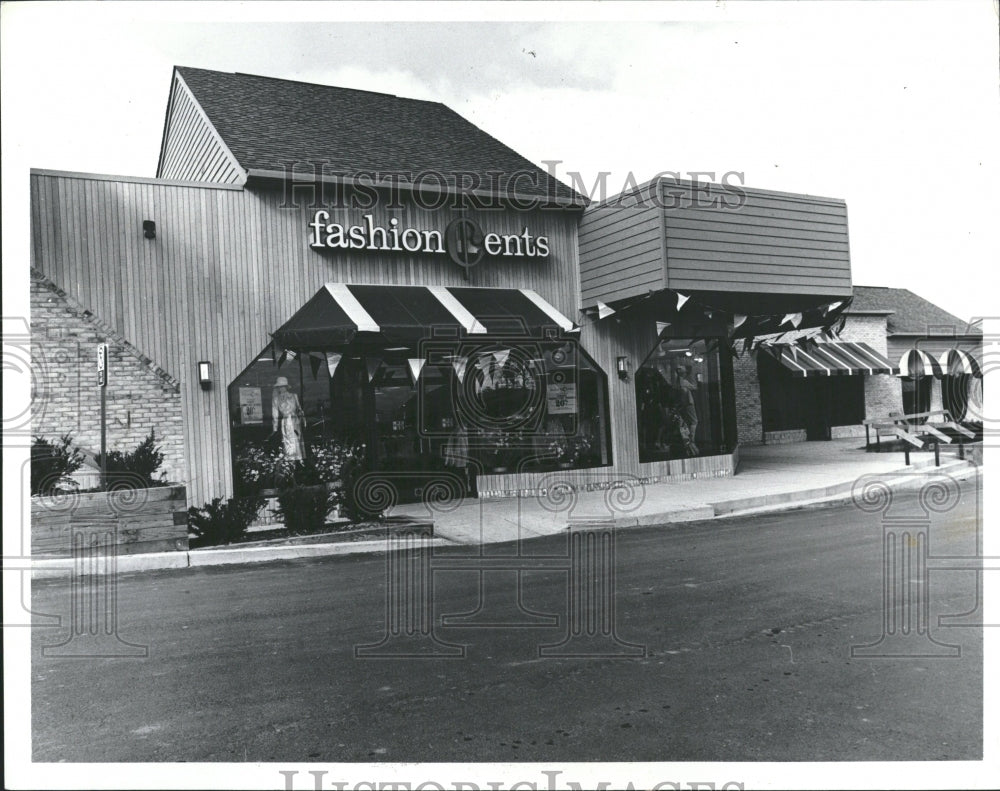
point(738, 320)
point(372, 364)
point(416, 364)
point(603, 311)
point(332, 361)
point(681, 299)
point(314, 363)
point(660, 327)
point(460, 364)
point(501, 357)
point(794, 318)
point(831, 307)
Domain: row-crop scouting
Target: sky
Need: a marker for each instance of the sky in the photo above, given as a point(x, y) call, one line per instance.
point(890, 106)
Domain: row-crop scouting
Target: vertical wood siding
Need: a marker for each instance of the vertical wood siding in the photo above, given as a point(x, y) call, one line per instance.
point(228, 266)
point(192, 149)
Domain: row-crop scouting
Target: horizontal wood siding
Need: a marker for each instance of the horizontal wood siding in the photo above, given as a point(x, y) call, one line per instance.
point(228, 266)
point(192, 149)
point(764, 242)
point(621, 252)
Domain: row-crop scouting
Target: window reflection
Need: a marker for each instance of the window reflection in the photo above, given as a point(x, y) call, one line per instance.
point(679, 401)
point(485, 408)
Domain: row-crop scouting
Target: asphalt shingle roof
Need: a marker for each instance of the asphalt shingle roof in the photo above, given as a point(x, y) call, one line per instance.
point(268, 123)
point(912, 313)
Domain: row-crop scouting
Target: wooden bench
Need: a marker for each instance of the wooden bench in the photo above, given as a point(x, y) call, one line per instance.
point(918, 434)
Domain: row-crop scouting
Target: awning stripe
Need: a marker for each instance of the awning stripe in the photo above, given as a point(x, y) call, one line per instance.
point(354, 309)
point(831, 359)
point(549, 310)
point(469, 322)
point(916, 363)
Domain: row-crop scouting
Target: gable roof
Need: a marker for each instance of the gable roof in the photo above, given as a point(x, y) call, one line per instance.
point(268, 123)
point(911, 314)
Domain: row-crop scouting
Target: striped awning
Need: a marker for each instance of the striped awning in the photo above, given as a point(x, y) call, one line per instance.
point(916, 363)
point(339, 313)
point(830, 359)
point(956, 362)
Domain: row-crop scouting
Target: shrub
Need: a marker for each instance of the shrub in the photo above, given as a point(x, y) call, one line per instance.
point(52, 464)
point(221, 522)
point(304, 509)
point(136, 468)
point(352, 507)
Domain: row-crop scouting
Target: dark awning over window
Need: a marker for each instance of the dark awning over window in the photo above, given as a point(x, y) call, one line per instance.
point(830, 359)
point(340, 313)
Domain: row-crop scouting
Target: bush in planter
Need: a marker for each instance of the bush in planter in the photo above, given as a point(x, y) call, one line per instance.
point(135, 469)
point(352, 507)
point(52, 464)
point(304, 509)
point(221, 522)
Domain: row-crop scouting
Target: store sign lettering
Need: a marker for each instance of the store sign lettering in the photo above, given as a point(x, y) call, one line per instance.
point(463, 240)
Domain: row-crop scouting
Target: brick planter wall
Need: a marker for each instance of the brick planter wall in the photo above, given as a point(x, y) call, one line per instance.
point(141, 520)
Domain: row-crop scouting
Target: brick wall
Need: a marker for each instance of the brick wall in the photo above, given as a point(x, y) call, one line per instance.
point(883, 393)
point(749, 425)
point(66, 398)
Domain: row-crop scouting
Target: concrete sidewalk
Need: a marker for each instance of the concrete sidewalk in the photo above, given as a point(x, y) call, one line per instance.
point(769, 478)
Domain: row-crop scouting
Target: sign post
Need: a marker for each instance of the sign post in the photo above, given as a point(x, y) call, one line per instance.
point(102, 380)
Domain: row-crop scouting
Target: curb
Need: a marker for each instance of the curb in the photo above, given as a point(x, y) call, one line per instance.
point(841, 493)
point(826, 495)
point(195, 558)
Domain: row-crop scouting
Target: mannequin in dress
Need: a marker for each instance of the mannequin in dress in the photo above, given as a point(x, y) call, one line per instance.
point(286, 412)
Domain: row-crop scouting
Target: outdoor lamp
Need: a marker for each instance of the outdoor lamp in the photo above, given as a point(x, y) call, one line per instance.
point(149, 229)
point(623, 368)
point(205, 374)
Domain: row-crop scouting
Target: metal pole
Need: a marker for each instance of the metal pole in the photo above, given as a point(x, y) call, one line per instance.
point(104, 437)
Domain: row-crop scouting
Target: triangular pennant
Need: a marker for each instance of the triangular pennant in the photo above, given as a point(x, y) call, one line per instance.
point(460, 364)
point(681, 299)
point(794, 318)
point(372, 363)
point(738, 319)
point(314, 363)
point(603, 311)
point(416, 364)
point(501, 357)
point(332, 361)
point(831, 307)
point(660, 327)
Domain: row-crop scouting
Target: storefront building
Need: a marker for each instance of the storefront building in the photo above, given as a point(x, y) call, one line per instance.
point(289, 289)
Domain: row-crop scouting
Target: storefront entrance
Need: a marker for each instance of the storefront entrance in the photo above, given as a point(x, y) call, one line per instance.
point(417, 401)
point(814, 404)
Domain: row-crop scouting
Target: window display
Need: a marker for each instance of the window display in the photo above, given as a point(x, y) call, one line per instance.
point(473, 409)
point(679, 401)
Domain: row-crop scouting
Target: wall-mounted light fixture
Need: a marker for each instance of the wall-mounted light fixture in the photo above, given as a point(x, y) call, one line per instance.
point(622, 364)
point(149, 229)
point(205, 374)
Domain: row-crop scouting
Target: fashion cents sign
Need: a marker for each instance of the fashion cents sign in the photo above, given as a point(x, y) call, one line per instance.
point(463, 240)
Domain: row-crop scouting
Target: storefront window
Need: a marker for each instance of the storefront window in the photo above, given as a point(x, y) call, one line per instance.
point(916, 395)
point(679, 401)
point(484, 408)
